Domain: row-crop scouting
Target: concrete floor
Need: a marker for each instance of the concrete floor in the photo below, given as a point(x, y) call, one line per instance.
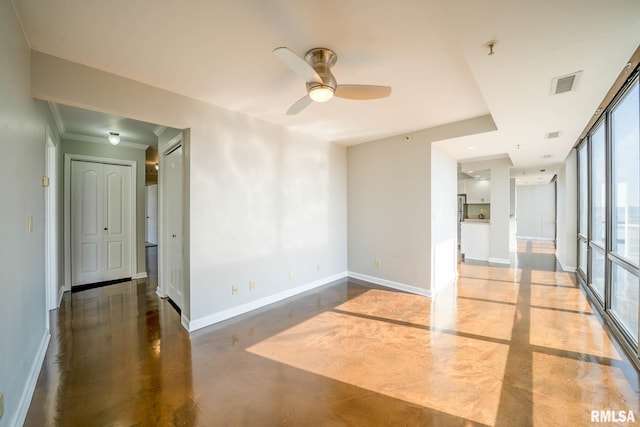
point(516, 345)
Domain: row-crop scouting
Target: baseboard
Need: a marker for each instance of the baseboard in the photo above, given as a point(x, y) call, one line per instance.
point(159, 292)
point(391, 284)
point(193, 325)
point(499, 261)
point(60, 295)
point(184, 321)
point(548, 239)
point(140, 275)
point(567, 268)
point(30, 385)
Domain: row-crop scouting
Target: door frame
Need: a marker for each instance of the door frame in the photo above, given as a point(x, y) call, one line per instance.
point(172, 145)
point(68, 158)
point(52, 291)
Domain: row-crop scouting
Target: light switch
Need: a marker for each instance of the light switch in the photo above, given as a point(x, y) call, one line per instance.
point(30, 224)
point(45, 181)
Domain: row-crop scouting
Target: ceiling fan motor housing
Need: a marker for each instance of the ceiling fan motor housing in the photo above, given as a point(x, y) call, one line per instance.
point(322, 60)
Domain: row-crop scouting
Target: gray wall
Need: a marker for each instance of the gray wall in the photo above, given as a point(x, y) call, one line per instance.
point(23, 322)
point(389, 186)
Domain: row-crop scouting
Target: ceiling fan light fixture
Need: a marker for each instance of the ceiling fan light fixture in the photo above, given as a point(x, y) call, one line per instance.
point(321, 93)
point(114, 138)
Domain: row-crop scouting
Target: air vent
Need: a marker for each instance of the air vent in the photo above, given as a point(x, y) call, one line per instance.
point(546, 156)
point(552, 135)
point(564, 84)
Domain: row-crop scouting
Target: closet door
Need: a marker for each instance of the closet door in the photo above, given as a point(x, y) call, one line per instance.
point(100, 222)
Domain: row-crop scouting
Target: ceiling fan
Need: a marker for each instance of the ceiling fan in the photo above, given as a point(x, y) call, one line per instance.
point(315, 68)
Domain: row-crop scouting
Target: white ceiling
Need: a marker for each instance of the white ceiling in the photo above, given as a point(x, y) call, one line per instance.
point(432, 52)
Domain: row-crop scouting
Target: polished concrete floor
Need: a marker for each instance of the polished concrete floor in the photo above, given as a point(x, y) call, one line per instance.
point(510, 346)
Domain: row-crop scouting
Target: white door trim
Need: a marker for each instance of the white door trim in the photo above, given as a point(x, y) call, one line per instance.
point(51, 224)
point(174, 143)
point(67, 210)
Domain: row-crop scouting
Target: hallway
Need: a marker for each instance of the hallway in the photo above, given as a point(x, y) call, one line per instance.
point(515, 345)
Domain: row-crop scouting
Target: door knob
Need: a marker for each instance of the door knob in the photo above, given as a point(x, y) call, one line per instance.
point(105, 229)
point(171, 235)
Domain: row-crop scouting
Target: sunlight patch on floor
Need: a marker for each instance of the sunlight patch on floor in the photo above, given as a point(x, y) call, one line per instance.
point(457, 375)
point(572, 332)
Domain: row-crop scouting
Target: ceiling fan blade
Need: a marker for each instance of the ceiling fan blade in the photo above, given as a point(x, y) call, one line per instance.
point(299, 105)
point(362, 91)
point(297, 64)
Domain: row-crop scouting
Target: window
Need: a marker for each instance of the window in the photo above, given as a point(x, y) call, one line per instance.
point(597, 272)
point(624, 298)
point(625, 153)
point(609, 215)
point(583, 189)
point(598, 186)
point(583, 208)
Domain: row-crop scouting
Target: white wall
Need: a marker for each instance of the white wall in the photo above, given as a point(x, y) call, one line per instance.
point(535, 211)
point(23, 323)
point(567, 200)
point(444, 205)
point(264, 204)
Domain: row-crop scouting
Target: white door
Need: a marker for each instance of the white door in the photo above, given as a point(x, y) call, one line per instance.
point(173, 232)
point(100, 222)
point(152, 214)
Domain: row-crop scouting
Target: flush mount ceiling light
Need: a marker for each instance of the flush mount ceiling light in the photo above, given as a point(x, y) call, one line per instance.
point(321, 93)
point(114, 138)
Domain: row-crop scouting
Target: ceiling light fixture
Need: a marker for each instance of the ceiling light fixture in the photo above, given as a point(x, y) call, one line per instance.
point(321, 93)
point(471, 147)
point(114, 138)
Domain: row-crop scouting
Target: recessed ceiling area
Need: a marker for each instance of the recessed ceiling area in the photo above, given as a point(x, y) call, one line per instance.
point(94, 127)
point(75, 123)
point(434, 54)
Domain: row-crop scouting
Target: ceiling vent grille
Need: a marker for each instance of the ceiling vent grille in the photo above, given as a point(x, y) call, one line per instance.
point(565, 84)
point(553, 135)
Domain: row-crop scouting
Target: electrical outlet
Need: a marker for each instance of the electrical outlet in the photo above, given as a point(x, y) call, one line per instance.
point(30, 224)
point(234, 289)
point(291, 275)
point(377, 263)
point(318, 267)
point(252, 285)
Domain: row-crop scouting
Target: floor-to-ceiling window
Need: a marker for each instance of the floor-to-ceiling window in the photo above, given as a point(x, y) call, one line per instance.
point(609, 214)
point(625, 187)
point(597, 235)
